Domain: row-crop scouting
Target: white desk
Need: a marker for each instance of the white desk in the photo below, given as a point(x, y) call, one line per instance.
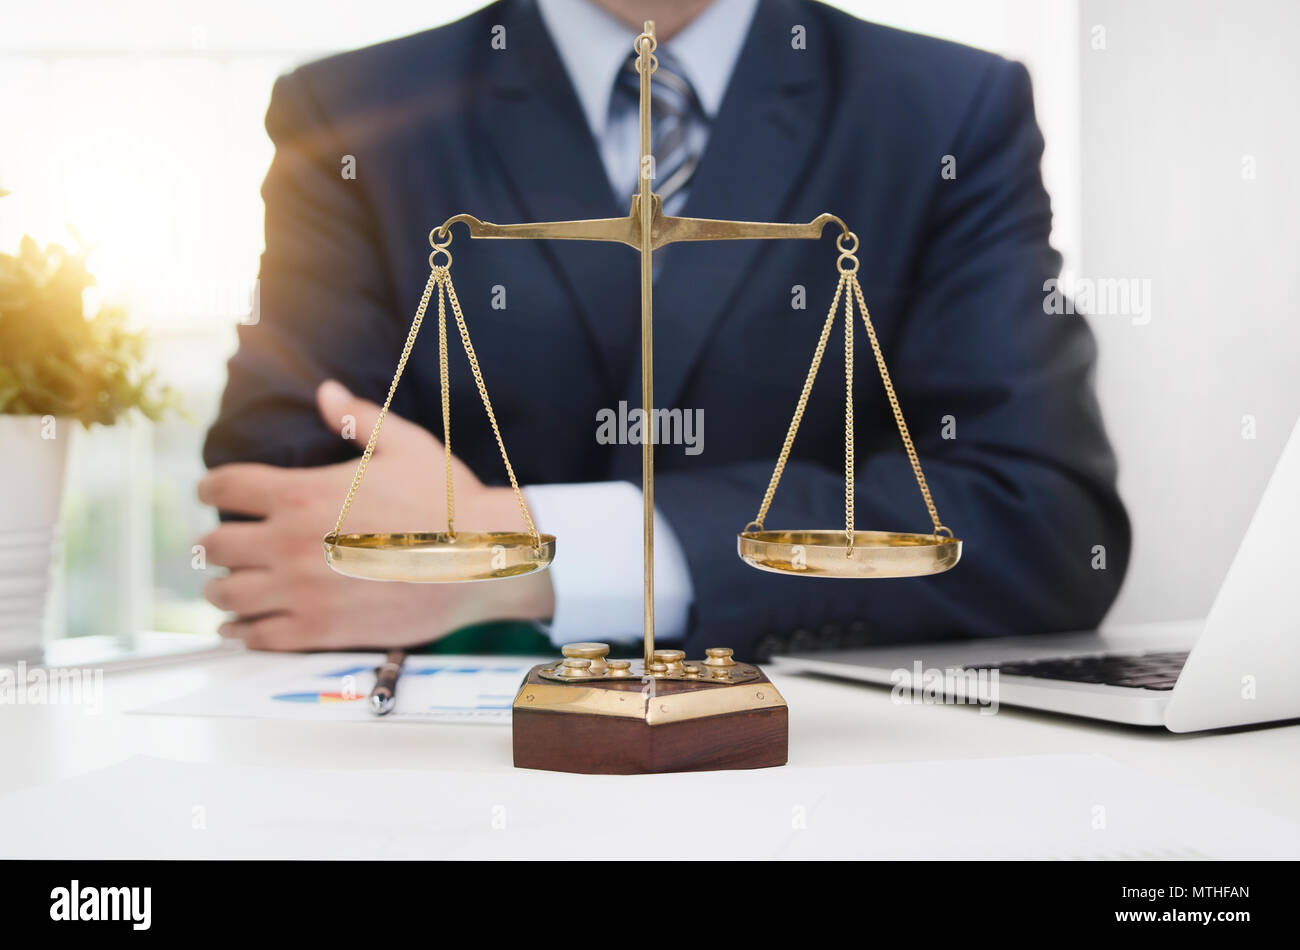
point(831, 723)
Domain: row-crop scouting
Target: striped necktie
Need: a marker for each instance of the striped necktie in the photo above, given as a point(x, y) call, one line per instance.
point(677, 125)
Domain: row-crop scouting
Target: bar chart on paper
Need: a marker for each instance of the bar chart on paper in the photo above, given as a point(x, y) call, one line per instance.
point(336, 687)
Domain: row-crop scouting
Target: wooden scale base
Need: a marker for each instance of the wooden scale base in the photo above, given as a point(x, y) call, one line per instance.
point(617, 720)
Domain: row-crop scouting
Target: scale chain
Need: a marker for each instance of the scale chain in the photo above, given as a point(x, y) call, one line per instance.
point(848, 267)
point(799, 408)
point(444, 380)
point(487, 405)
point(383, 412)
point(439, 277)
point(897, 410)
point(848, 423)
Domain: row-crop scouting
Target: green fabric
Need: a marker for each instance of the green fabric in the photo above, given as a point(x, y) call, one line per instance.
point(517, 637)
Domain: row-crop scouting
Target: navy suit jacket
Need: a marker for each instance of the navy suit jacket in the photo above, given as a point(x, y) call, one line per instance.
point(857, 122)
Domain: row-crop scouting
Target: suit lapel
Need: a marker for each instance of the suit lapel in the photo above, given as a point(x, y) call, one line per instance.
point(762, 139)
point(537, 128)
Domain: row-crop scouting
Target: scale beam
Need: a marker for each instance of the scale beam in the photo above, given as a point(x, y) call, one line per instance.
point(613, 230)
point(670, 230)
point(664, 229)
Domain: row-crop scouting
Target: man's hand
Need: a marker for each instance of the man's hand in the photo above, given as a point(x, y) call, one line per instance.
point(279, 587)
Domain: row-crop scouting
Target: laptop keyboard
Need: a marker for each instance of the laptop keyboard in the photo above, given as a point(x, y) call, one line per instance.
point(1141, 671)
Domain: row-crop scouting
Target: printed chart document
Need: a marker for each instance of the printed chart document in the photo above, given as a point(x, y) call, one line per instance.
point(1051, 806)
point(331, 687)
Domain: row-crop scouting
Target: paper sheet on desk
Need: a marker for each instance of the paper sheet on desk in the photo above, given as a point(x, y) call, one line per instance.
point(336, 687)
point(1034, 807)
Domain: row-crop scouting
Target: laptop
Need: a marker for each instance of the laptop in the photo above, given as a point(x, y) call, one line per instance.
point(1239, 666)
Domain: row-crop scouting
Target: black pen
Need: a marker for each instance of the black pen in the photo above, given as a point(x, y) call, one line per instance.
point(384, 694)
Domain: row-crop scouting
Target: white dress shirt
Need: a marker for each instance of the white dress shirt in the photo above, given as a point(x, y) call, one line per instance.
point(593, 46)
point(597, 574)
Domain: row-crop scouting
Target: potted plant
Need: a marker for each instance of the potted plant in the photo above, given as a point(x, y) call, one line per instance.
point(60, 363)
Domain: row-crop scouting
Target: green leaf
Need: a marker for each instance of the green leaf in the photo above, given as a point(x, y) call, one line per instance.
point(57, 360)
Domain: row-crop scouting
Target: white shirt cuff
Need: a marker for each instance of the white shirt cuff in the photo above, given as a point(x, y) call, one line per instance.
point(597, 574)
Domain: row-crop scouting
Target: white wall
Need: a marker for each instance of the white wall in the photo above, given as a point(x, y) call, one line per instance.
point(1146, 140)
point(1184, 93)
point(1042, 34)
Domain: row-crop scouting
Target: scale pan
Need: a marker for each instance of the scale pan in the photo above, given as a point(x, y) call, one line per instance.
point(437, 558)
point(824, 553)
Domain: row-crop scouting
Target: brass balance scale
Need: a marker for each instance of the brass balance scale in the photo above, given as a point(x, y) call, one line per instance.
point(587, 712)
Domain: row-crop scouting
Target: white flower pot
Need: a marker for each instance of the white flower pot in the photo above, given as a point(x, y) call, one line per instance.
point(33, 456)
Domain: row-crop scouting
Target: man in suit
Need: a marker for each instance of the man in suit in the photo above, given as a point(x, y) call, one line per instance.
point(765, 110)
